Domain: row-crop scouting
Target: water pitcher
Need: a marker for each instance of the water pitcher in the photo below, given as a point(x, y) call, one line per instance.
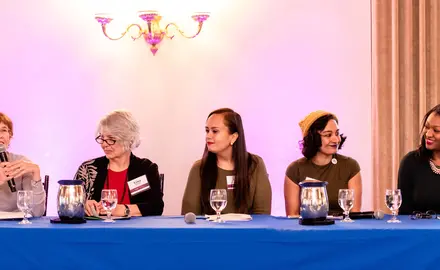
point(314, 201)
point(71, 200)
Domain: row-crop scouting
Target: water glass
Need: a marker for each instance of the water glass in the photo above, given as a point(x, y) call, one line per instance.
point(25, 201)
point(393, 200)
point(218, 200)
point(346, 202)
point(109, 200)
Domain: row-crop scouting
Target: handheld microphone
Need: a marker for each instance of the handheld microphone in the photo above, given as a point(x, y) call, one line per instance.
point(378, 214)
point(190, 218)
point(4, 158)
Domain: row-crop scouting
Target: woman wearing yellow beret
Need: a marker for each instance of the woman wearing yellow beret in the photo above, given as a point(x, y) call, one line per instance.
point(320, 144)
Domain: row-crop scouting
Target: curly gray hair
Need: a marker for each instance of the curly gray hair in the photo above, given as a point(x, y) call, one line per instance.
point(123, 126)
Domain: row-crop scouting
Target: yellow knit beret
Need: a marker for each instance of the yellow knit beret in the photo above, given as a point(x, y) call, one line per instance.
point(308, 121)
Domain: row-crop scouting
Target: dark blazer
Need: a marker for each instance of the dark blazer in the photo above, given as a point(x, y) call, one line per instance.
point(94, 174)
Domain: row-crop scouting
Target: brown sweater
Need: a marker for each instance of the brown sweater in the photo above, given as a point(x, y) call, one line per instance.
point(337, 175)
point(260, 199)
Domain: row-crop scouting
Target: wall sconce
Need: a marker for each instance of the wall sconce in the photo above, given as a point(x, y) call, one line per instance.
point(152, 32)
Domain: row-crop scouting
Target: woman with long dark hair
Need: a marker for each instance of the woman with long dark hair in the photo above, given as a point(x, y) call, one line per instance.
point(226, 164)
point(419, 171)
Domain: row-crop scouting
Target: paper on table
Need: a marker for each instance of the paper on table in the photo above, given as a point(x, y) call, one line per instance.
point(11, 215)
point(104, 217)
point(230, 217)
point(310, 179)
point(328, 217)
point(97, 216)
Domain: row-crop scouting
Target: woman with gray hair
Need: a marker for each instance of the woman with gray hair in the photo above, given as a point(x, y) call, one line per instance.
point(135, 179)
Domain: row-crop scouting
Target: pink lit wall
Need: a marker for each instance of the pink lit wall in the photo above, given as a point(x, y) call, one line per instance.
point(272, 61)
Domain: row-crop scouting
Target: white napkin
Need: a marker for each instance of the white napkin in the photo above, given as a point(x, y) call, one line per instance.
point(230, 217)
point(11, 215)
point(310, 179)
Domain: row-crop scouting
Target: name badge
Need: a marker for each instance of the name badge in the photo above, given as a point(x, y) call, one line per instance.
point(138, 185)
point(230, 181)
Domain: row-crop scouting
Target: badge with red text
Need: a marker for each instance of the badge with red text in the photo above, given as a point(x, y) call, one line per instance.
point(230, 181)
point(138, 185)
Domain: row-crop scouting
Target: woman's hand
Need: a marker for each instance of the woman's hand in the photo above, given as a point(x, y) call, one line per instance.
point(93, 208)
point(3, 177)
point(119, 211)
point(20, 167)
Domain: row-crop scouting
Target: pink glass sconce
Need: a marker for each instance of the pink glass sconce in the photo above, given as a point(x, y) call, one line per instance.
point(152, 31)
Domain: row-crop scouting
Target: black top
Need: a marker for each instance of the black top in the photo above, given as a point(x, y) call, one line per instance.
point(419, 185)
point(94, 173)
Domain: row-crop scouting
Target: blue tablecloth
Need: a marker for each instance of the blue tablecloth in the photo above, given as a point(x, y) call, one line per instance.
point(264, 243)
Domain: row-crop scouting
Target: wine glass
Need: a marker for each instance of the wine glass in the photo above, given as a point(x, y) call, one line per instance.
point(346, 201)
point(109, 200)
point(218, 200)
point(393, 200)
point(25, 201)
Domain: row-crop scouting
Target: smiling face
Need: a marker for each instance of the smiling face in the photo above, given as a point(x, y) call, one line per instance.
point(431, 132)
point(330, 138)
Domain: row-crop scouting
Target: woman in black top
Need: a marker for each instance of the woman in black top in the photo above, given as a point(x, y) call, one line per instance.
point(419, 171)
point(136, 178)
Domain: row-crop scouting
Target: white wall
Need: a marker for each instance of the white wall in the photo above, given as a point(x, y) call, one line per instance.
point(272, 61)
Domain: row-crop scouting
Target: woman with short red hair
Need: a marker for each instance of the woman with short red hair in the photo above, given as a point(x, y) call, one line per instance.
point(19, 170)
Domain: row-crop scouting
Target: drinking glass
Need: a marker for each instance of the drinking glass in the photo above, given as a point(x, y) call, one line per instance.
point(25, 201)
point(218, 200)
point(109, 200)
point(346, 201)
point(393, 200)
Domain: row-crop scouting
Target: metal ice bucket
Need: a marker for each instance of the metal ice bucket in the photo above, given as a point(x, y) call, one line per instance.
point(314, 200)
point(71, 200)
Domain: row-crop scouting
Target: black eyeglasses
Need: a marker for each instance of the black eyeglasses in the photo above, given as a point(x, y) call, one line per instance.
point(430, 214)
point(100, 140)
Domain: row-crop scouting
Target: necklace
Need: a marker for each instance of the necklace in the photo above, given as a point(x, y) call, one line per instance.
point(434, 168)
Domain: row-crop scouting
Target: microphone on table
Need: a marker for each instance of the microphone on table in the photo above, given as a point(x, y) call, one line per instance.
point(190, 218)
point(378, 214)
point(4, 158)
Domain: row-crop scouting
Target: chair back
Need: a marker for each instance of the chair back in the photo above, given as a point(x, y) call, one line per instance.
point(162, 179)
point(46, 189)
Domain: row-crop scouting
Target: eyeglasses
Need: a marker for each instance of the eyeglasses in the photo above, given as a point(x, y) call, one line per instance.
point(100, 140)
point(430, 214)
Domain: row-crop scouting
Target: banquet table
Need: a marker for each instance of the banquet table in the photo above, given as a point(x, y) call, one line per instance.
point(266, 242)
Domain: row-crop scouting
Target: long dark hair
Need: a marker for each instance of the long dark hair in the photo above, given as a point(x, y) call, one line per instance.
point(312, 141)
point(243, 164)
point(422, 150)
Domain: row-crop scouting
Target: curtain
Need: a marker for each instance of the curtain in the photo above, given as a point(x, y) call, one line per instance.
point(405, 82)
